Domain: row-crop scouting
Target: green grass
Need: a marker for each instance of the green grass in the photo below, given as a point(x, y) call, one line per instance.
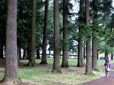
point(41, 75)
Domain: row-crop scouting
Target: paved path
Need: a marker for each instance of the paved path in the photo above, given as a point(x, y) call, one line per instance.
point(103, 80)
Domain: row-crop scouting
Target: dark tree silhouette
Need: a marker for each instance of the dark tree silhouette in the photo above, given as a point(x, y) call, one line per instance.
point(44, 59)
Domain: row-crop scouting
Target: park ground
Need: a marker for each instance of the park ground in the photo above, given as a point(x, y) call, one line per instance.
point(42, 75)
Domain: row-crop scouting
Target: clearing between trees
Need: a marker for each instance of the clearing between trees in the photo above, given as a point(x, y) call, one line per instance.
point(42, 75)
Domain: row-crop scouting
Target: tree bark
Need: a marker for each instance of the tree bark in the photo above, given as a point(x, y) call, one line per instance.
point(49, 53)
point(44, 58)
point(94, 52)
point(56, 64)
point(18, 53)
point(18, 50)
point(1, 51)
point(94, 38)
point(88, 47)
point(65, 56)
point(106, 55)
point(111, 56)
point(80, 38)
point(28, 53)
point(97, 55)
point(25, 54)
point(38, 54)
point(80, 52)
point(84, 50)
point(33, 36)
point(11, 69)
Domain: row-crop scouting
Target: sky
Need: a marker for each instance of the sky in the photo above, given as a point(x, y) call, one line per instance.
point(76, 4)
point(113, 3)
point(76, 7)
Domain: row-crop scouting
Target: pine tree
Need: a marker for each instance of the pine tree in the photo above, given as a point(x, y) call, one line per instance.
point(88, 46)
point(11, 69)
point(33, 36)
point(44, 58)
point(65, 51)
point(56, 63)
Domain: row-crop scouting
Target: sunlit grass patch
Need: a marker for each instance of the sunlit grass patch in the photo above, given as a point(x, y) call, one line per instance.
point(42, 75)
point(72, 75)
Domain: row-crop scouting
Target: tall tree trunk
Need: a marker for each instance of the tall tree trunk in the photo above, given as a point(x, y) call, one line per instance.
point(84, 50)
point(33, 36)
point(80, 38)
point(88, 47)
point(94, 52)
point(56, 63)
point(80, 52)
point(65, 56)
point(28, 53)
point(106, 55)
point(38, 54)
point(94, 37)
point(111, 56)
point(25, 54)
point(84, 54)
point(18, 50)
point(18, 53)
point(1, 51)
point(49, 53)
point(97, 55)
point(44, 59)
point(11, 69)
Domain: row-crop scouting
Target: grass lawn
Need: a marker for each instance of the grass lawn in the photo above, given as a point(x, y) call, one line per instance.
point(41, 74)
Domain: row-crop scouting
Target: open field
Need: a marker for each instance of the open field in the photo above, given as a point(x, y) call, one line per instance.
point(41, 74)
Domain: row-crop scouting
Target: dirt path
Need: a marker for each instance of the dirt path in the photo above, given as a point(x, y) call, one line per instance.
point(103, 80)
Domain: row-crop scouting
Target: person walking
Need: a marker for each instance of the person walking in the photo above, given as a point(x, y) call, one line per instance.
point(107, 67)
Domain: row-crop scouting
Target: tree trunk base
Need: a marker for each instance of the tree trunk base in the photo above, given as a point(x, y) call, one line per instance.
point(96, 69)
point(89, 73)
point(31, 64)
point(65, 66)
point(24, 58)
point(56, 71)
point(42, 62)
point(11, 80)
point(80, 65)
point(2, 58)
point(38, 58)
